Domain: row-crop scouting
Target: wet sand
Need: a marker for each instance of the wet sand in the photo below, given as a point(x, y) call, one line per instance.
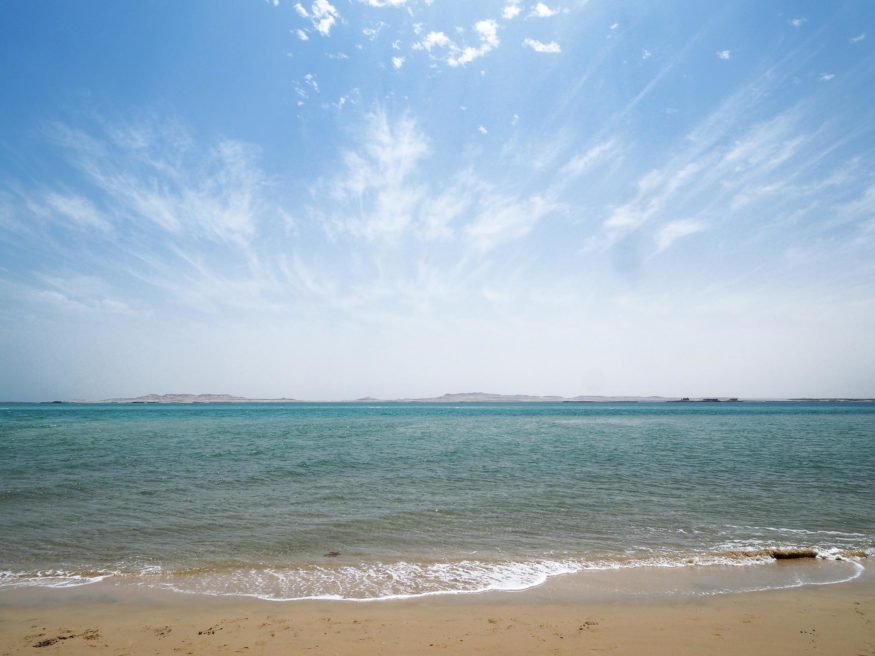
point(834, 619)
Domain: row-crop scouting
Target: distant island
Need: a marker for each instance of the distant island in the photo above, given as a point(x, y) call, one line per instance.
point(463, 397)
point(481, 397)
point(190, 398)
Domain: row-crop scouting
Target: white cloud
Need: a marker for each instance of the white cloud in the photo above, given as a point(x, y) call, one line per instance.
point(798, 22)
point(397, 62)
point(482, 130)
point(433, 40)
point(614, 26)
point(302, 35)
point(511, 10)
point(541, 10)
point(323, 15)
point(826, 77)
point(646, 54)
point(441, 47)
point(724, 55)
point(538, 46)
point(488, 32)
point(674, 230)
point(858, 38)
point(384, 3)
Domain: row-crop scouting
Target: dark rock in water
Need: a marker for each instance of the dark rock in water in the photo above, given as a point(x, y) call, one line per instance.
point(332, 554)
point(793, 554)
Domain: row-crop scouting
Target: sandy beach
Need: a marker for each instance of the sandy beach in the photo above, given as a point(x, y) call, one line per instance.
point(832, 619)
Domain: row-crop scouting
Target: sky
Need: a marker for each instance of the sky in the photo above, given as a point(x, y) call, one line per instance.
point(332, 199)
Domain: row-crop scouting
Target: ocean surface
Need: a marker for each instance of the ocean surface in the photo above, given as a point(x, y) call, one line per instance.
point(375, 501)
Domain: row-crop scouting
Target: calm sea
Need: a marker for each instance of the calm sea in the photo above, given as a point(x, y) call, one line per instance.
point(365, 501)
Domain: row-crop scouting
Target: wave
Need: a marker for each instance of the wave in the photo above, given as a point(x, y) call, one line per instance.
point(374, 581)
point(53, 578)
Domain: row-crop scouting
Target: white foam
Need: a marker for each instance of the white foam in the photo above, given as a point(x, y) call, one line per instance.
point(382, 581)
point(374, 581)
point(50, 579)
point(404, 580)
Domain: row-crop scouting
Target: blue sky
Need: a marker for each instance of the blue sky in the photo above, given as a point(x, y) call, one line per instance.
point(332, 199)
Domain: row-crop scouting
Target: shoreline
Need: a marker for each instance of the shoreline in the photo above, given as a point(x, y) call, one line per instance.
point(490, 400)
point(557, 617)
point(378, 581)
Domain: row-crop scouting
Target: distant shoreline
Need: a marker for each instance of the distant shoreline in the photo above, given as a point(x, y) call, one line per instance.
point(471, 397)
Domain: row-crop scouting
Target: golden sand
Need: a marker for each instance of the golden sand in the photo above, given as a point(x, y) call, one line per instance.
point(837, 619)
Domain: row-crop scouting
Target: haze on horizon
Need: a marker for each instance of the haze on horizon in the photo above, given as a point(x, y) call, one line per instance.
point(333, 199)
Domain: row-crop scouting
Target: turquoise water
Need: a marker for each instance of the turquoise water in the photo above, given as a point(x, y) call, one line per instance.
point(419, 499)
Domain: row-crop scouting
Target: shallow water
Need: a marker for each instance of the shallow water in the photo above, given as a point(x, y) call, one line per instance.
point(422, 499)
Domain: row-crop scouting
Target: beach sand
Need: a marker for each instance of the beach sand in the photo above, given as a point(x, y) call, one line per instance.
point(834, 619)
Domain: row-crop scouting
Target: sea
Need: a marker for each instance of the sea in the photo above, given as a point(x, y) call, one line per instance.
point(376, 501)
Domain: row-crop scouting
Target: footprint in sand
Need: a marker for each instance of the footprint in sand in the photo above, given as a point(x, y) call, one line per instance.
point(210, 631)
point(67, 634)
point(160, 631)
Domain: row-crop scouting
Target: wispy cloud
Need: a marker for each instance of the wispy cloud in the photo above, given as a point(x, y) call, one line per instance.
point(798, 21)
point(80, 211)
point(377, 192)
point(725, 55)
point(589, 159)
point(858, 38)
point(381, 194)
point(504, 218)
point(720, 173)
point(672, 231)
point(148, 173)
